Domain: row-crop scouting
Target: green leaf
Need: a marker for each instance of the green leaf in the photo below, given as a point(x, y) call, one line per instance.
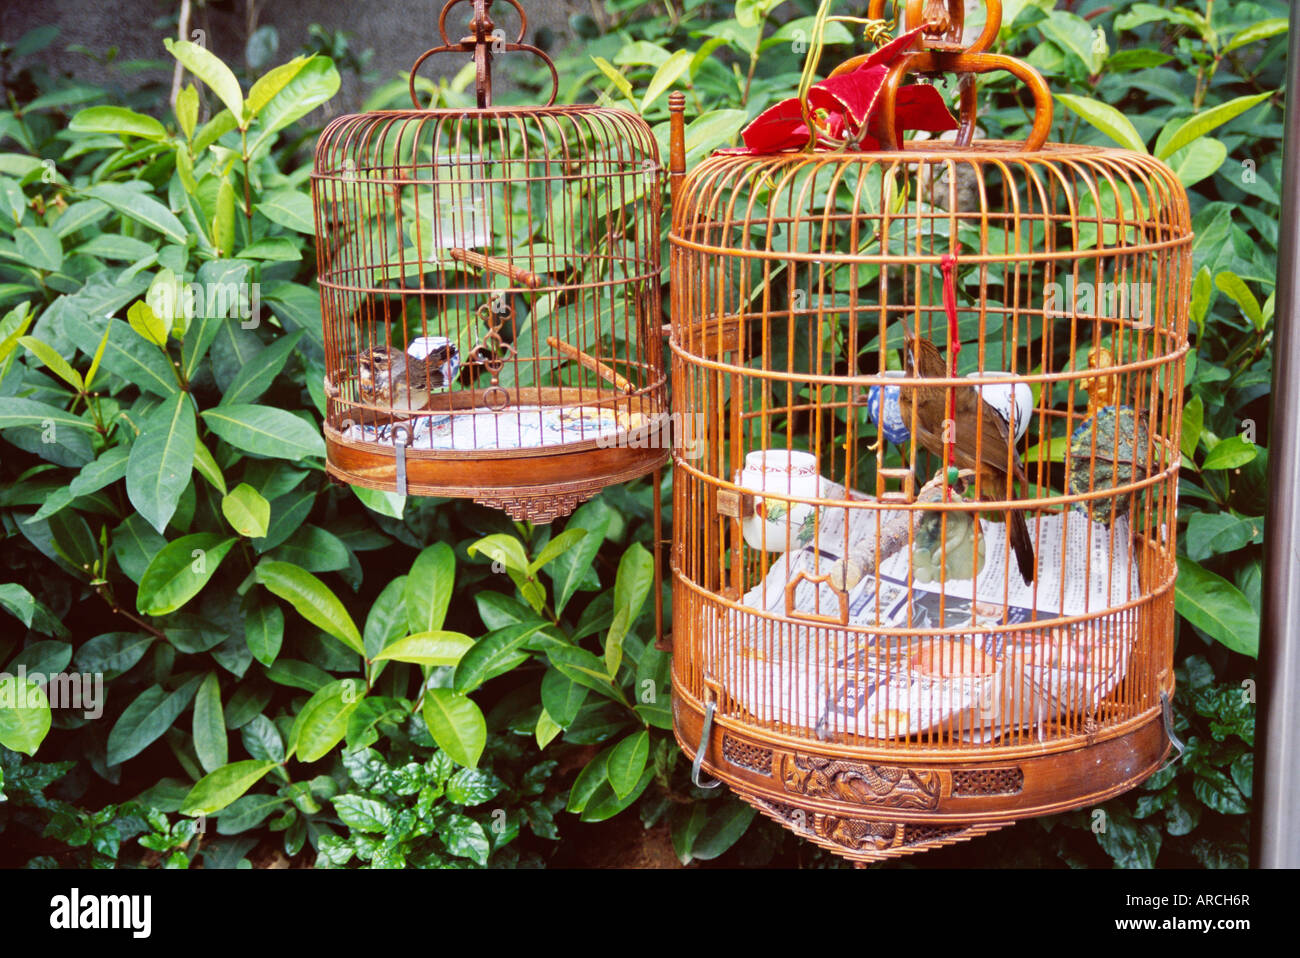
point(315, 82)
point(247, 512)
point(29, 412)
point(386, 620)
point(146, 719)
point(593, 775)
point(179, 571)
point(271, 83)
point(265, 431)
point(1216, 607)
point(385, 503)
point(722, 829)
point(143, 321)
point(1231, 453)
point(428, 588)
point(288, 208)
point(667, 74)
point(631, 586)
point(555, 548)
point(1214, 533)
point(187, 110)
point(24, 715)
point(256, 376)
point(217, 789)
point(546, 729)
point(1263, 30)
point(1074, 36)
point(53, 361)
point(492, 655)
point(1195, 127)
point(562, 697)
point(502, 548)
point(323, 721)
point(1198, 160)
point(570, 568)
point(1105, 118)
point(275, 248)
point(1193, 426)
point(1235, 288)
point(264, 632)
point(140, 207)
point(427, 648)
point(223, 224)
point(363, 814)
point(627, 762)
point(209, 68)
point(262, 739)
point(456, 724)
point(620, 82)
point(312, 599)
point(39, 246)
point(210, 725)
point(161, 460)
point(118, 120)
point(124, 353)
point(207, 467)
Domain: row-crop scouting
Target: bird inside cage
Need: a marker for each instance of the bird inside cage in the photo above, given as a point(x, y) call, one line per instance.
point(976, 429)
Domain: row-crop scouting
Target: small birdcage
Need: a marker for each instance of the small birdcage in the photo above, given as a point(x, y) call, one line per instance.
point(924, 546)
point(490, 291)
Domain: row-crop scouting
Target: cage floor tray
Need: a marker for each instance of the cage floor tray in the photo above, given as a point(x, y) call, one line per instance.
point(517, 427)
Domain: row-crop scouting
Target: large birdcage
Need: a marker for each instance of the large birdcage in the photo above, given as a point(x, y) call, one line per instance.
point(490, 290)
point(924, 538)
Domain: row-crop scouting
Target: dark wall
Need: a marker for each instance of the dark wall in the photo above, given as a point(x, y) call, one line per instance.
point(396, 30)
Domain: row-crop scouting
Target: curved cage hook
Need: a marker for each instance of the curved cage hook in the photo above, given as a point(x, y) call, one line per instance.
point(482, 42)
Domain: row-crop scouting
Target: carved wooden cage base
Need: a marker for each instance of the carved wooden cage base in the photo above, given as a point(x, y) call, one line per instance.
point(871, 805)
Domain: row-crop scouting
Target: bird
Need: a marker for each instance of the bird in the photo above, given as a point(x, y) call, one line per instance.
point(973, 419)
point(404, 380)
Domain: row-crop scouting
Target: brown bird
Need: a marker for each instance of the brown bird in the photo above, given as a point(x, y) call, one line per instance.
point(973, 419)
point(404, 380)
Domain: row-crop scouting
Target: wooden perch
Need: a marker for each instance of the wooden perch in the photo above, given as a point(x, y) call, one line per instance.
point(590, 362)
point(494, 265)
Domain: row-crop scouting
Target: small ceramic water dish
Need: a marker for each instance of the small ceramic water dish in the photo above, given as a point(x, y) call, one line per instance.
point(1006, 397)
point(778, 524)
point(890, 420)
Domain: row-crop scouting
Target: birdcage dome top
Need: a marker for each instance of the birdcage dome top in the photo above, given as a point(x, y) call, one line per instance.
point(1108, 199)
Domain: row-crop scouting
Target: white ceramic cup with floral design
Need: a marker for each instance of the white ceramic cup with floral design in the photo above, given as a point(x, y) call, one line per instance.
point(778, 524)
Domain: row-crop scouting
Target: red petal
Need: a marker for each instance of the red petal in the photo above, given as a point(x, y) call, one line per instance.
point(777, 128)
point(919, 106)
point(853, 94)
point(892, 50)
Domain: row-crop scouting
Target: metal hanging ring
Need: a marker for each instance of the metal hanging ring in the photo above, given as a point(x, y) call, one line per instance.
point(697, 765)
point(446, 8)
point(505, 47)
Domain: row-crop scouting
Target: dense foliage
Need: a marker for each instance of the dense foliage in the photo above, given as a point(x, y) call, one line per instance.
point(355, 679)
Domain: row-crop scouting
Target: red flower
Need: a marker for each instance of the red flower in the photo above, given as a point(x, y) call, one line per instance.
point(841, 109)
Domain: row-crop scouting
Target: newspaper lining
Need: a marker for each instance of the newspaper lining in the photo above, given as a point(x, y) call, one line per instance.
point(974, 685)
point(518, 427)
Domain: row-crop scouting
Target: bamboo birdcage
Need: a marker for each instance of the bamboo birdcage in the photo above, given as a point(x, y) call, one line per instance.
point(491, 296)
point(856, 652)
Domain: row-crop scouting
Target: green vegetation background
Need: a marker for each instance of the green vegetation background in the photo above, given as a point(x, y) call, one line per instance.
point(263, 633)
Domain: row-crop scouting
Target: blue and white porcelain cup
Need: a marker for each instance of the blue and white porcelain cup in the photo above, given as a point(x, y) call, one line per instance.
point(890, 421)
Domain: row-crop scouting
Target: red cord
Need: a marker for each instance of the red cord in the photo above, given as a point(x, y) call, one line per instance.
point(948, 263)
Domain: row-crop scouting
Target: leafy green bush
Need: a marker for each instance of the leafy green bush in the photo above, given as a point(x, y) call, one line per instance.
point(295, 662)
